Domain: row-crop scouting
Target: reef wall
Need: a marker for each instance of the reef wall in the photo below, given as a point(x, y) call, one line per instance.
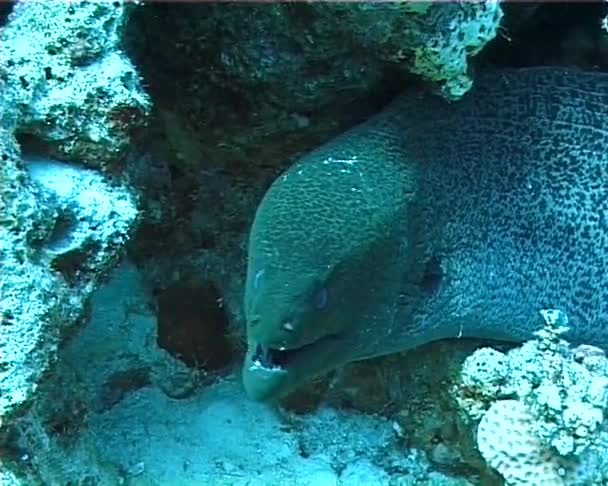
point(152, 130)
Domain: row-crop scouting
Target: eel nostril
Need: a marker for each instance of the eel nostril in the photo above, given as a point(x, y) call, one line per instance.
point(288, 326)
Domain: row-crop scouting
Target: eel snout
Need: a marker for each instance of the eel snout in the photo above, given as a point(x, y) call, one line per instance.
point(270, 372)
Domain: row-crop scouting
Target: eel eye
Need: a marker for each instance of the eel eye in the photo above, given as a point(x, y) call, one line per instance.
point(320, 298)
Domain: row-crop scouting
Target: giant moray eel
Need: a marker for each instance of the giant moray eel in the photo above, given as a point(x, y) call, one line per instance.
point(435, 220)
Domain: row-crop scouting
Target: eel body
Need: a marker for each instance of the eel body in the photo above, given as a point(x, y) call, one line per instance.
point(435, 220)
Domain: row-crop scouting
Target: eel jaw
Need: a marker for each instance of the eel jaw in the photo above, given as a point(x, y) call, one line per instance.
point(269, 372)
point(268, 358)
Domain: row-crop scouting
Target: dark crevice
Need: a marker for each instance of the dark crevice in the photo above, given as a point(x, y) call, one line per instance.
point(193, 326)
point(6, 8)
point(552, 33)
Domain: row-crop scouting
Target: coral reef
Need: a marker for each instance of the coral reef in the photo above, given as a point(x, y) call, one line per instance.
point(100, 372)
point(451, 35)
point(295, 73)
point(91, 391)
point(541, 408)
point(66, 81)
point(67, 90)
point(63, 226)
point(8, 478)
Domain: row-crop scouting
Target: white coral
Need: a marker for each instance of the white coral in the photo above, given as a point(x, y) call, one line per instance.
point(550, 403)
point(507, 443)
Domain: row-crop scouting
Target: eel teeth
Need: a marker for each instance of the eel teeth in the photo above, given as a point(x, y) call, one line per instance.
point(268, 357)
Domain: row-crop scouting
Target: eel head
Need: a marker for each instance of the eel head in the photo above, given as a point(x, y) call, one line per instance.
point(313, 266)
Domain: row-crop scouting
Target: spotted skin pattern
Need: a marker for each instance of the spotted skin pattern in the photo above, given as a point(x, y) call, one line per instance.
point(435, 220)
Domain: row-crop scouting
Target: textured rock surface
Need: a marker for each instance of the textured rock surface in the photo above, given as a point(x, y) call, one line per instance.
point(113, 356)
point(295, 73)
point(64, 82)
point(67, 81)
point(63, 227)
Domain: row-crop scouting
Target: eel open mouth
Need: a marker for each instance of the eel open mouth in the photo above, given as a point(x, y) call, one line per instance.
point(269, 372)
point(269, 358)
point(276, 359)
